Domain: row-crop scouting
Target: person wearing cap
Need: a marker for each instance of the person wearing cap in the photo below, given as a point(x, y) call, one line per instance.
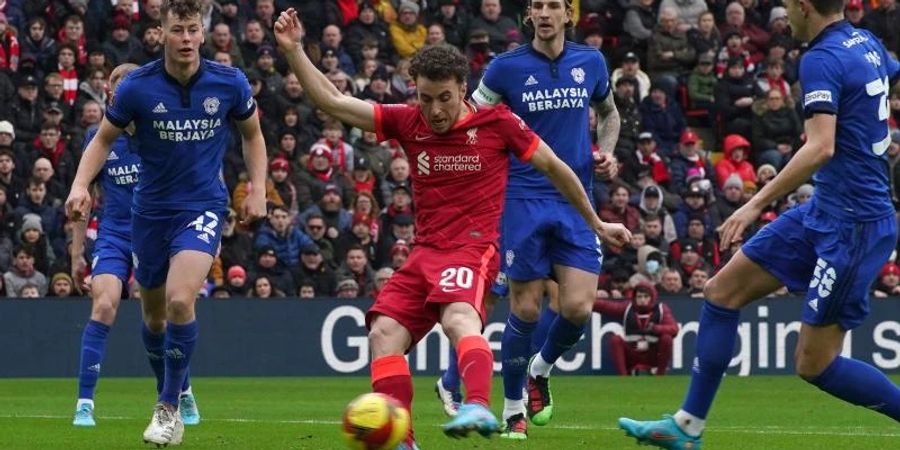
point(382, 276)
point(341, 151)
point(701, 84)
point(776, 131)
point(695, 204)
point(31, 233)
point(707, 246)
point(494, 23)
point(121, 43)
point(333, 39)
point(757, 39)
point(401, 228)
point(690, 155)
point(265, 65)
point(407, 33)
point(855, 13)
point(662, 116)
point(279, 173)
point(731, 199)
point(360, 235)
point(734, 49)
point(888, 284)
point(284, 237)
point(24, 112)
point(631, 67)
point(378, 156)
point(315, 268)
point(361, 176)
point(268, 265)
point(646, 160)
point(236, 280)
point(689, 257)
point(399, 254)
point(318, 173)
point(625, 97)
point(369, 28)
point(331, 208)
point(669, 54)
point(347, 288)
point(453, 19)
point(61, 286)
point(653, 204)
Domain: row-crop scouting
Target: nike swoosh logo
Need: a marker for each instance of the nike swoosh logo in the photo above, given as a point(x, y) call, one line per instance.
point(420, 137)
point(662, 436)
point(450, 290)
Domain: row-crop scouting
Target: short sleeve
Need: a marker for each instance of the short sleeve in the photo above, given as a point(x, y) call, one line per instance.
point(121, 110)
point(390, 120)
point(490, 90)
point(244, 105)
point(516, 134)
point(601, 90)
point(820, 76)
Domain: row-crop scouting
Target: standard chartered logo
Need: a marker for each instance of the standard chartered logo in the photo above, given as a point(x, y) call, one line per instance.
point(424, 164)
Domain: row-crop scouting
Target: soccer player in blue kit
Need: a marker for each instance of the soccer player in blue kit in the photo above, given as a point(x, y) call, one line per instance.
point(551, 84)
point(832, 246)
point(110, 269)
point(181, 107)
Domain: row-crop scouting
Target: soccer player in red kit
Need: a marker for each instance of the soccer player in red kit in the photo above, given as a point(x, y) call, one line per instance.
point(461, 158)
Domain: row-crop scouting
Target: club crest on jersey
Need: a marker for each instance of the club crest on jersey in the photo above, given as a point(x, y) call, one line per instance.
point(510, 257)
point(211, 105)
point(473, 136)
point(578, 75)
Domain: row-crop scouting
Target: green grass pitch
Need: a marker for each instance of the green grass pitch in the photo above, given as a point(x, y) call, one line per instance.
point(759, 413)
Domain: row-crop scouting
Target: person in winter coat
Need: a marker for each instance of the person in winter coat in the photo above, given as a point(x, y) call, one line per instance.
point(651, 205)
point(737, 149)
point(651, 263)
point(319, 173)
point(629, 116)
point(688, 12)
point(689, 156)
point(619, 211)
point(776, 131)
point(38, 44)
point(701, 85)
point(695, 204)
point(286, 239)
point(315, 269)
point(705, 36)
point(757, 39)
point(650, 328)
point(734, 99)
point(640, 19)
point(662, 116)
point(645, 160)
point(368, 26)
point(669, 54)
point(267, 265)
point(731, 199)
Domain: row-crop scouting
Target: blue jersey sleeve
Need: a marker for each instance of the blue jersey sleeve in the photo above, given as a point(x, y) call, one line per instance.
point(601, 90)
point(121, 110)
point(244, 105)
point(821, 78)
point(490, 89)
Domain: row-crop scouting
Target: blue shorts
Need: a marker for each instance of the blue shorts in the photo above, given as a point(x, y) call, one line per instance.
point(834, 260)
point(537, 234)
point(112, 255)
point(159, 235)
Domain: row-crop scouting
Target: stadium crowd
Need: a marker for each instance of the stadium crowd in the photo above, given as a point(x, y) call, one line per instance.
point(706, 91)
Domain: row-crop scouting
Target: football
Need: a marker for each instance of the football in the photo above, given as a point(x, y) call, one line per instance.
point(375, 422)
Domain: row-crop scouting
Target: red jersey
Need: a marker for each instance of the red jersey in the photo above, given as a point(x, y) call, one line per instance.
point(459, 177)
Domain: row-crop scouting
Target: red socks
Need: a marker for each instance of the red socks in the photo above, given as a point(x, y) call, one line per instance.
point(476, 366)
point(390, 375)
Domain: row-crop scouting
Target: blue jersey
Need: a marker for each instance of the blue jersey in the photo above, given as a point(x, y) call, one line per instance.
point(847, 72)
point(183, 132)
point(553, 97)
point(118, 179)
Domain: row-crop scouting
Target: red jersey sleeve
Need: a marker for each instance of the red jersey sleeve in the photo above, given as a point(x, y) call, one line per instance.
point(393, 121)
point(516, 134)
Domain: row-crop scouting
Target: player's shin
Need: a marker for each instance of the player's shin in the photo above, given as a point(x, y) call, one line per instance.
point(154, 344)
point(514, 351)
point(390, 376)
point(548, 316)
point(860, 384)
point(562, 336)
point(450, 378)
point(93, 347)
point(180, 341)
point(715, 345)
point(476, 362)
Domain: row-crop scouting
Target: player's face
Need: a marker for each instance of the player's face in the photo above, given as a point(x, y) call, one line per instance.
point(183, 38)
point(549, 18)
point(441, 102)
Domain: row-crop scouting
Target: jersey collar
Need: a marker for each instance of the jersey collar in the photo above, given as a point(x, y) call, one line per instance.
point(545, 57)
point(831, 28)
point(192, 80)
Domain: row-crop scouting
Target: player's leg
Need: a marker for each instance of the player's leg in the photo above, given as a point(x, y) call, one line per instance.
point(547, 317)
point(106, 291)
point(153, 331)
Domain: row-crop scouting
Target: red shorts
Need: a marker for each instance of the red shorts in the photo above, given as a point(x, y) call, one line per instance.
point(432, 276)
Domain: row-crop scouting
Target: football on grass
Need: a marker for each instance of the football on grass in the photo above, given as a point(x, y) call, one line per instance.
point(375, 422)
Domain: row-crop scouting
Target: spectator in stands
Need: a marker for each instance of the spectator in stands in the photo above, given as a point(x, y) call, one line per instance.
point(11, 184)
point(242, 191)
point(402, 83)
point(24, 113)
point(650, 265)
point(645, 160)
point(382, 276)
point(854, 13)
point(631, 66)
point(378, 88)
point(121, 44)
point(671, 284)
point(652, 206)
point(279, 172)
point(399, 254)
point(56, 189)
point(151, 45)
point(496, 25)
point(265, 12)
point(400, 227)
point(330, 208)
point(348, 288)
point(662, 116)
point(356, 267)
point(319, 174)
point(705, 37)
point(757, 39)
point(38, 44)
point(888, 283)
point(689, 156)
point(368, 27)
point(221, 39)
point(732, 52)
point(436, 35)
point(31, 235)
point(332, 39)
point(688, 12)
point(366, 204)
point(707, 245)
point(94, 88)
point(237, 247)
point(254, 36)
point(695, 204)
point(9, 47)
point(379, 157)
point(882, 22)
point(315, 269)
point(625, 97)
point(318, 231)
point(30, 290)
point(285, 239)
point(407, 34)
point(619, 211)
point(23, 273)
point(51, 146)
point(263, 288)
point(730, 200)
point(268, 266)
point(361, 177)
point(702, 83)
point(401, 203)
point(265, 66)
point(306, 290)
point(53, 93)
point(689, 257)
point(52, 218)
point(360, 235)
point(697, 282)
point(640, 19)
point(659, 231)
point(735, 160)
point(776, 131)
point(61, 285)
point(669, 54)
point(341, 151)
point(455, 22)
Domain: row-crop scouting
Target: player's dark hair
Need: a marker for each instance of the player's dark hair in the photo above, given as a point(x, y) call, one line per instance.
point(827, 7)
point(181, 9)
point(568, 4)
point(440, 63)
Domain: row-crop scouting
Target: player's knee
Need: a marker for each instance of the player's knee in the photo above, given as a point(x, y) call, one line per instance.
point(720, 294)
point(156, 325)
point(384, 340)
point(104, 310)
point(577, 312)
point(180, 309)
point(809, 364)
point(527, 310)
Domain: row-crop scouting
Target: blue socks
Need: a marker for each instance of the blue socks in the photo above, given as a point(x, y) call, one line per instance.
point(180, 341)
point(562, 336)
point(93, 347)
point(543, 328)
point(154, 343)
point(715, 346)
point(860, 384)
point(515, 349)
point(450, 379)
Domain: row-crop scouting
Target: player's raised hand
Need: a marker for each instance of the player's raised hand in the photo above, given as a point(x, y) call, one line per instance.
point(732, 231)
point(288, 30)
point(613, 234)
point(605, 165)
point(78, 204)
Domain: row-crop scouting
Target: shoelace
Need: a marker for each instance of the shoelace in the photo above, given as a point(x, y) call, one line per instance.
point(163, 415)
point(187, 403)
point(84, 410)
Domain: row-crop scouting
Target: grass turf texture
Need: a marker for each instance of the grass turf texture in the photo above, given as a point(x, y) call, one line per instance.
point(303, 413)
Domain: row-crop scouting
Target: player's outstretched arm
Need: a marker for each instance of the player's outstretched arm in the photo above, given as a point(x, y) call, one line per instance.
point(818, 150)
point(78, 204)
point(608, 124)
point(347, 109)
point(254, 148)
point(567, 183)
